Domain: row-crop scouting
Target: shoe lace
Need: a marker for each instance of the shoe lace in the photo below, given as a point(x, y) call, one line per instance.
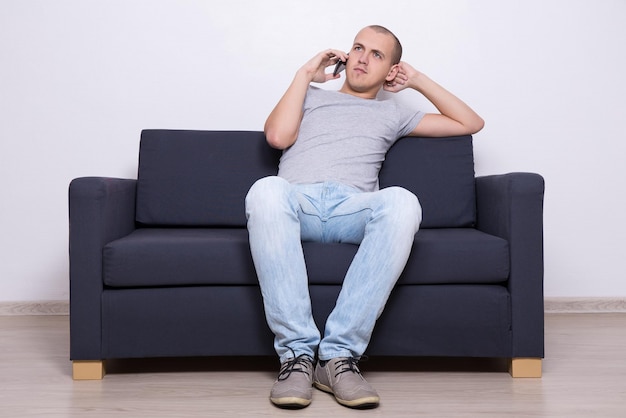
point(349, 364)
point(300, 364)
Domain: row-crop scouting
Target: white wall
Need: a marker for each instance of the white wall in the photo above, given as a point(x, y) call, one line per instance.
point(79, 80)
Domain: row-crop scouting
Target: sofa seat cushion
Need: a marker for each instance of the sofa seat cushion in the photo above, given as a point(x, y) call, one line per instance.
point(179, 256)
point(152, 257)
point(456, 256)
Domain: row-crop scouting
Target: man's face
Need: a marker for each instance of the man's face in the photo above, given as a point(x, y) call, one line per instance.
point(369, 64)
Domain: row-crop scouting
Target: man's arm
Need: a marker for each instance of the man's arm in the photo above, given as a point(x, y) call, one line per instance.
point(283, 124)
point(455, 118)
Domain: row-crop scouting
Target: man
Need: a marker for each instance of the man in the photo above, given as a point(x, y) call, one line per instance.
point(327, 191)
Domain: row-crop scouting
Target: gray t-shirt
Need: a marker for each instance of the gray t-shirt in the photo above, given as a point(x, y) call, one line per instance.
point(344, 138)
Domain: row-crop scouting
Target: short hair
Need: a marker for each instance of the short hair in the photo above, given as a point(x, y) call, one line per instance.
point(397, 50)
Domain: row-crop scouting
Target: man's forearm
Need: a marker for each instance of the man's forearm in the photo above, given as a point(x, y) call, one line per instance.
point(447, 103)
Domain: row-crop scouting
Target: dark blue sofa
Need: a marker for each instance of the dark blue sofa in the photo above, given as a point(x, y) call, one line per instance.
point(160, 266)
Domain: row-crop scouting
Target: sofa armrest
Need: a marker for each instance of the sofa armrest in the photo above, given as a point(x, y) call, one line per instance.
point(510, 206)
point(100, 210)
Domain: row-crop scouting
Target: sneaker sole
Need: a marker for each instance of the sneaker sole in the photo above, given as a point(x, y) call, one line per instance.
point(361, 403)
point(291, 402)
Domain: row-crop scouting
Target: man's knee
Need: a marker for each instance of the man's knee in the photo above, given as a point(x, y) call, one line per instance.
point(265, 192)
point(264, 188)
point(406, 206)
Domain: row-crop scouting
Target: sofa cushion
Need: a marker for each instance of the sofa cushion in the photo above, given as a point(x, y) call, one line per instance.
point(199, 178)
point(221, 256)
point(440, 172)
point(456, 255)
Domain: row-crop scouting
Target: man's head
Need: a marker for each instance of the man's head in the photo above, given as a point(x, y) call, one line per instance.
point(397, 46)
point(373, 61)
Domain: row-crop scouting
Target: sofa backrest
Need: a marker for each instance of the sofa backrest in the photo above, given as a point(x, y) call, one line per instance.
point(201, 178)
point(440, 172)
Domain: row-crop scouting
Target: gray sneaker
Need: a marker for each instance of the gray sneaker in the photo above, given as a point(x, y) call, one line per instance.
point(293, 387)
point(342, 377)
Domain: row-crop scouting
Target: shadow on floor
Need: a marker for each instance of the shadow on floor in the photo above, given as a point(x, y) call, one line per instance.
point(270, 364)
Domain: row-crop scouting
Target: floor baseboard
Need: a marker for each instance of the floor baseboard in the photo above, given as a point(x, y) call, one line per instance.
point(551, 305)
point(585, 305)
point(46, 307)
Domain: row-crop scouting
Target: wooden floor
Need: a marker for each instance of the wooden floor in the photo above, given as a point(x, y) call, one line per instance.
point(584, 376)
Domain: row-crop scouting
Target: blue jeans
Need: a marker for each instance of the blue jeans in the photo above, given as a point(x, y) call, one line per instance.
point(282, 215)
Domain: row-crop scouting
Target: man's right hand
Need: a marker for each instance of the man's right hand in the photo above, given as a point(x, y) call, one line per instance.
point(315, 68)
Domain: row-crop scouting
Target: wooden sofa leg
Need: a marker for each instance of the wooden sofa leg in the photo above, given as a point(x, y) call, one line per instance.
point(88, 369)
point(525, 367)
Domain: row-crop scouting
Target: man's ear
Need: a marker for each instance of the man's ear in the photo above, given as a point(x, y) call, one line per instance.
point(393, 72)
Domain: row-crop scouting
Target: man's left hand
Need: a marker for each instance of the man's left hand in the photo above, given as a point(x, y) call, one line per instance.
point(403, 78)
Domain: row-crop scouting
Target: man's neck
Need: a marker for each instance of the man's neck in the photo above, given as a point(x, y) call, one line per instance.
point(370, 95)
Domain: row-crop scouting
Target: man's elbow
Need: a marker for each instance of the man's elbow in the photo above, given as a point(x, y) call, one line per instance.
point(277, 139)
point(476, 125)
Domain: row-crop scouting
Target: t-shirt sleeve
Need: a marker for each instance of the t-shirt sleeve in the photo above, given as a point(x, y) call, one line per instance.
point(409, 119)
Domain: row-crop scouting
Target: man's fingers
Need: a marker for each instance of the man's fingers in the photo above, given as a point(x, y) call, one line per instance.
point(335, 55)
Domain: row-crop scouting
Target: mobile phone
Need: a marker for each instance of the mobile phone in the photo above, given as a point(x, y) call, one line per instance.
point(341, 65)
